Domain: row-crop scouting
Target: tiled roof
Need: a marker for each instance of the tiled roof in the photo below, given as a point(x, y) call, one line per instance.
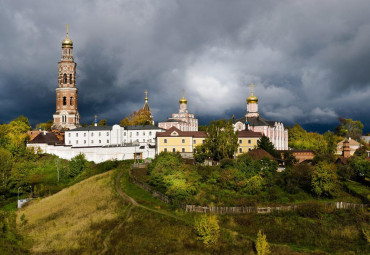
point(92, 128)
point(259, 154)
point(48, 138)
point(195, 134)
point(142, 127)
point(351, 142)
point(256, 121)
point(248, 133)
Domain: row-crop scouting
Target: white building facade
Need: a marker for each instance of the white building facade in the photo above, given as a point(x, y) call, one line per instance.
point(183, 120)
point(101, 143)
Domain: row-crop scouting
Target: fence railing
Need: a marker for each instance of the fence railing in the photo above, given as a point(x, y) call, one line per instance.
point(234, 210)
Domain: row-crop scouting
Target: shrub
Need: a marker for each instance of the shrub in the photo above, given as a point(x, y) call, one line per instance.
point(77, 165)
point(262, 246)
point(254, 185)
point(207, 228)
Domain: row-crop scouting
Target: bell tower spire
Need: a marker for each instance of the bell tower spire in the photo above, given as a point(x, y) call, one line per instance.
point(66, 115)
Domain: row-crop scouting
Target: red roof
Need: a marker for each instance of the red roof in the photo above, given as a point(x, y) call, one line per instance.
point(248, 133)
point(48, 138)
point(260, 154)
point(179, 133)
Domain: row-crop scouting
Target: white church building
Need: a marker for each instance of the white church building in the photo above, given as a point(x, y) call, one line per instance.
point(274, 130)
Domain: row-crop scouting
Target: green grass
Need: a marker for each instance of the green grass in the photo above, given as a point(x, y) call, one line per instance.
point(358, 188)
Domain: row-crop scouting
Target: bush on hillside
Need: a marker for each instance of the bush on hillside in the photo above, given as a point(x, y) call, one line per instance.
point(77, 165)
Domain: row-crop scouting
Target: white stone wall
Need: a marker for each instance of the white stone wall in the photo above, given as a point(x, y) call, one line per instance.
point(98, 154)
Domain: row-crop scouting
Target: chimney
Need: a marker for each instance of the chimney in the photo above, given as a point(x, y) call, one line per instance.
point(346, 153)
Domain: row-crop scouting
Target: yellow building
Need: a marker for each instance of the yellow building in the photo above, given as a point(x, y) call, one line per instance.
point(175, 140)
point(247, 141)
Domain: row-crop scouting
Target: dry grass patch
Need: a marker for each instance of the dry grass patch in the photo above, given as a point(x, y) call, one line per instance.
point(74, 220)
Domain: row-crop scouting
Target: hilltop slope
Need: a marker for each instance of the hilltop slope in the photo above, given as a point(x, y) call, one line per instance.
point(74, 220)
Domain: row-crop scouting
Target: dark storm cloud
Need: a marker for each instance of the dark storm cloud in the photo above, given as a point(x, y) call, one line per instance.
point(308, 59)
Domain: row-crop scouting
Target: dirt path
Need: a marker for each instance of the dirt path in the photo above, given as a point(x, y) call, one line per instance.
point(132, 204)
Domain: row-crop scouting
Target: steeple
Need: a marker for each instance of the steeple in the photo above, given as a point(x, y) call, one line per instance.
point(146, 105)
point(67, 47)
point(183, 103)
point(252, 104)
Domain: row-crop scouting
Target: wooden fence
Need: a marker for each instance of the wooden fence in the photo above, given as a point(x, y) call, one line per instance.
point(234, 210)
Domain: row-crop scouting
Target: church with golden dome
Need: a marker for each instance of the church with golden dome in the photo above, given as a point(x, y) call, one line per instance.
point(183, 120)
point(252, 121)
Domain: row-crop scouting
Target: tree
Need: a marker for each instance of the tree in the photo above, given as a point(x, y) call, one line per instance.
point(77, 165)
point(265, 144)
point(221, 140)
point(102, 122)
point(324, 179)
point(141, 117)
point(207, 228)
point(6, 162)
point(349, 128)
point(17, 135)
point(45, 126)
point(262, 246)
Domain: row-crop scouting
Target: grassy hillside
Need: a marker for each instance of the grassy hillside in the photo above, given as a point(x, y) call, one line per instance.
point(91, 218)
point(73, 220)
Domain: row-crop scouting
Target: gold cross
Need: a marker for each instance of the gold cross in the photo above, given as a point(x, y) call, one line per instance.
point(252, 87)
point(67, 28)
point(146, 93)
point(183, 93)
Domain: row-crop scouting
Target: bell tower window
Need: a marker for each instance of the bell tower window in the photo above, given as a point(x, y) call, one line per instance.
point(70, 79)
point(65, 78)
point(71, 101)
point(64, 100)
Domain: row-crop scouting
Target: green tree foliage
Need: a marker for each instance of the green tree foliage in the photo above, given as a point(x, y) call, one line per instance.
point(170, 175)
point(360, 165)
point(349, 128)
point(289, 159)
point(6, 163)
point(221, 141)
point(45, 126)
point(11, 242)
point(300, 139)
point(77, 165)
point(262, 246)
point(324, 180)
point(298, 177)
point(200, 153)
point(207, 229)
point(265, 144)
point(141, 117)
point(17, 136)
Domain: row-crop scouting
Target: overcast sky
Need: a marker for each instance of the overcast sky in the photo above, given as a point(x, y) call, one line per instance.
point(309, 60)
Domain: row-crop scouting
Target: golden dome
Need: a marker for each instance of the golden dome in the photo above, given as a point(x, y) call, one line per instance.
point(252, 99)
point(183, 100)
point(67, 42)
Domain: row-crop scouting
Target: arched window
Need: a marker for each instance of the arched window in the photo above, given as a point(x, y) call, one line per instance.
point(65, 78)
point(64, 100)
point(70, 79)
point(71, 101)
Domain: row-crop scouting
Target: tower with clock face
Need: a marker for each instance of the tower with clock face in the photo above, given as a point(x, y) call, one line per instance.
point(66, 115)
